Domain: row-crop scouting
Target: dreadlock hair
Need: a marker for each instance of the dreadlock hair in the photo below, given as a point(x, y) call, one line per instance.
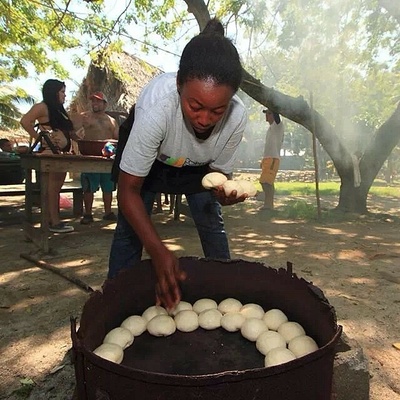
point(210, 55)
point(58, 117)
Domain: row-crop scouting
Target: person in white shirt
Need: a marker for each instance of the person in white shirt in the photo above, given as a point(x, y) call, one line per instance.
point(186, 124)
point(271, 157)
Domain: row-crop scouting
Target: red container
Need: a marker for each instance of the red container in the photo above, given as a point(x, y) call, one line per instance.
point(93, 147)
point(205, 364)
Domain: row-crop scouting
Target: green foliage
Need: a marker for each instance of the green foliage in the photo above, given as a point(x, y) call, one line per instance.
point(27, 385)
point(328, 188)
point(298, 209)
point(9, 113)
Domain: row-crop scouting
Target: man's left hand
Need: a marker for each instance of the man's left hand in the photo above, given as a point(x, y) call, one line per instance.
point(225, 200)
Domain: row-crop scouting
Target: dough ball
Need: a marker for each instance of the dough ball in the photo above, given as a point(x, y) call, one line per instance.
point(248, 187)
point(302, 345)
point(278, 356)
point(213, 179)
point(187, 321)
point(289, 330)
point(232, 321)
point(230, 186)
point(252, 328)
point(111, 352)
point(252, 310)
point(135, 324)
point(269, 340)
point(274, 318)
point(204, 304)
point(229, 305)
point(153, 311)
point(210, 319)
point(120, 336)
point(161, 325)
point(182, 305)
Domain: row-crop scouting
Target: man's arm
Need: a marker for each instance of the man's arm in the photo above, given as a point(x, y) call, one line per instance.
point(165, 263)
point(116, 129)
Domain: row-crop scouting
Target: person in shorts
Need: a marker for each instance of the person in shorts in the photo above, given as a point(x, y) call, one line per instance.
point(98, 125)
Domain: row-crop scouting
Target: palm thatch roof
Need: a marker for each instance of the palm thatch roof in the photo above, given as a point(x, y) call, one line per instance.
point(119, 75)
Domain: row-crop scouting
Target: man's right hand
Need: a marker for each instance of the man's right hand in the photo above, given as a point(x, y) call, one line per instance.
point(169, 276)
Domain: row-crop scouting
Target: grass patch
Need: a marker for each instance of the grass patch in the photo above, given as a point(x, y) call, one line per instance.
point(330, 188)
point(302, 209)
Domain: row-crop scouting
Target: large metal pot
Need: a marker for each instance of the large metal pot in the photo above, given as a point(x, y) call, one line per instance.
point(205, 364)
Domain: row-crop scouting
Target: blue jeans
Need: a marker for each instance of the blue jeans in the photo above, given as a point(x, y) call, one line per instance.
point(126, 248)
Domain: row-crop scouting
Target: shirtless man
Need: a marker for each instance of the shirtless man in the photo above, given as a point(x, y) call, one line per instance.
point(98, 126)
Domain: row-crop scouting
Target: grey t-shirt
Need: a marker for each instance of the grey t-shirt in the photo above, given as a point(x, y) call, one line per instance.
point(161, 131)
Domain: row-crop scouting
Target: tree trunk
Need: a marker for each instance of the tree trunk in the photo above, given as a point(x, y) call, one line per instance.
point(352, 197)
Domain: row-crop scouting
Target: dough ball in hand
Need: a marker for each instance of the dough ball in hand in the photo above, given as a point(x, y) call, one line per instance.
point(289, 330)
point(252, 328)
point(182, 305)
point(120, 336)
point(213, 179)
point(302, 345)
point(269, 340)
point(274, 318)
point(252, 310)
point(111, 352)
point(277, 356)
point(230, 186)
point(153, 311)
point(229, 305)
point(187, 321)
point(210, 319)
point(232, 321)
point(161, 325)
point(136, 324)
point(248, 187)
point(204, 304)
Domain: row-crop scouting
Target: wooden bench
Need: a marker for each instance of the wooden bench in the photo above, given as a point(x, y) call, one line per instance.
point(68, 187)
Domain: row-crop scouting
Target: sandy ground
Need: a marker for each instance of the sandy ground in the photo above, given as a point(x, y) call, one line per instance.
point(355, 262)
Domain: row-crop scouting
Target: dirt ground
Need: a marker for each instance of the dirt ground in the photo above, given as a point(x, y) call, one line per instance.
point(355, 262)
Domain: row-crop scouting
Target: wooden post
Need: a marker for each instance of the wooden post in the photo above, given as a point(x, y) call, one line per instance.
point(316, 169)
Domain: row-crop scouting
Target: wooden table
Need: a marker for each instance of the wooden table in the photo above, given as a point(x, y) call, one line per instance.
point(43, 164)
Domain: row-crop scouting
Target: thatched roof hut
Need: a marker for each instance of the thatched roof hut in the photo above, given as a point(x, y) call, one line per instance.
point(119, 75)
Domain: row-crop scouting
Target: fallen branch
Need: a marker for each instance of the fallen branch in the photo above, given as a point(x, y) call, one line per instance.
point(52, 268)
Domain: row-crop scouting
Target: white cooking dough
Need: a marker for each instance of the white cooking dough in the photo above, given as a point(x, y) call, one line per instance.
point(229, 305)
point(210, 319)
point(232, 321)
point(213, 179)
point(289, 330)
point(252, 310)
point(230, 186)
point(302, 345)
point(111, 352)
point(252, 328)
point(204, 304)
point(161, 325)
point(274, 318)
point(187, 321)
point(278, 356)
point(248, 187)
point(120, 336)
point(269, 340)
point(153, 311)
point(136, 324)
point(182, 305)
